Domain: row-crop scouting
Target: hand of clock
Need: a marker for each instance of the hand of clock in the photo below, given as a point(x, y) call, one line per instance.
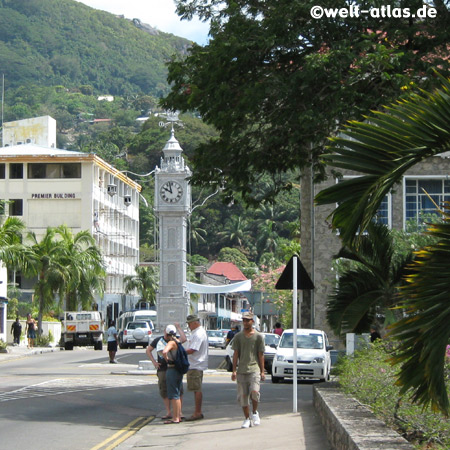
point(168, 188)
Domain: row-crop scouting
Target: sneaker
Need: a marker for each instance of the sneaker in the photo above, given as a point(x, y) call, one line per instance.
point(247, 423)
point(256, 420)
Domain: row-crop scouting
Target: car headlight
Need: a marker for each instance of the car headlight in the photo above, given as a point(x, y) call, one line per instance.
point(280, 358)
point(318, 360)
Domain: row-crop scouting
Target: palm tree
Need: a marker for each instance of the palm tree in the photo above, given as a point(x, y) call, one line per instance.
point(87, 272)
point(235, 232)
point(145, 282)
point(11, 249)
point(47, 260)
point(369, 287)
point(382, 149)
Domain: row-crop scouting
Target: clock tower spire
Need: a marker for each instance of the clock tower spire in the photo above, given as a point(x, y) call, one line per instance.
point(172, 207)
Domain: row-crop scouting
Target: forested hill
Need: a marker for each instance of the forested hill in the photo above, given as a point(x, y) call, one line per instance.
point(64, 42)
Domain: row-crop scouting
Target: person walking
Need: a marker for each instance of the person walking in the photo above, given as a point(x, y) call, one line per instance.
point(161, 368)
point(16, 330)
point(174, 378)
point(30, 330)
point(112, 340)
point(197, 350)
point(248, 369)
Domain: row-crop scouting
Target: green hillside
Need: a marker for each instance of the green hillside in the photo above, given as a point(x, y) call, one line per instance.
point(63, 42)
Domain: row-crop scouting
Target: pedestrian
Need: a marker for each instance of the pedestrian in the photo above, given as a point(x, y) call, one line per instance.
point(197, 350)
point(174, 378)
point(278, 329)
point(30, 330)
point(231, 333)
point(374, 334)
point(112, 340)
point(248, 368)
point(16, 330)
point(161, 368)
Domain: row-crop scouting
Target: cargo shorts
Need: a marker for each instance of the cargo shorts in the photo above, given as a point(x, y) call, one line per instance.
point(248, 385)
point(194, 379)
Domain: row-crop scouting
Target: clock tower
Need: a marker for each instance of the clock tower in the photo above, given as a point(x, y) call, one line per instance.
point(172, 207)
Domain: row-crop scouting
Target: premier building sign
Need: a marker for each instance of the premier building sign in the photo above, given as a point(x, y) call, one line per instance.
point(55, 195)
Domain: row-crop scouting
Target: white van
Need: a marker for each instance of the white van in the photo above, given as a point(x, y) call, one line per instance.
point(313, 355)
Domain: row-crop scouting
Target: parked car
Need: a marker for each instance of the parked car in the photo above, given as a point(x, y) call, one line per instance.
point(135, 333)
point(313, 356)
point(271, 341)
point(216, 338)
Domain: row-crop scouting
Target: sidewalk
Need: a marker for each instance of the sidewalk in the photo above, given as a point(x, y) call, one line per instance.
point(301, 431)
point(21, 351)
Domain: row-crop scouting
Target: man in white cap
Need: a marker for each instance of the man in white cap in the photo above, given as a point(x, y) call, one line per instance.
point(248, 368)
point(161, 367)
point(197, 350)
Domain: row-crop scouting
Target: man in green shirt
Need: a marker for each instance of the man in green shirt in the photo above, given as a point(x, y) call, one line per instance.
point(248, 359)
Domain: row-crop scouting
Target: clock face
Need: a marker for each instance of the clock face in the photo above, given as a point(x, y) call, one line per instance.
point(171, 192)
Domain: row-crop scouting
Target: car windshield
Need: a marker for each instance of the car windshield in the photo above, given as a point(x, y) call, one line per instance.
point(213, 333)
point(312, 340)
point(134, 325)
point(270, 339)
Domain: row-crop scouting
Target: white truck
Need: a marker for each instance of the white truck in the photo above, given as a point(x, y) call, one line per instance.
point(80, 328)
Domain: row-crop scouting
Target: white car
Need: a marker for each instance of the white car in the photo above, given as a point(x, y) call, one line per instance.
point(313, 356)
point(136, 333)
point(216, 338)
point(271, 341)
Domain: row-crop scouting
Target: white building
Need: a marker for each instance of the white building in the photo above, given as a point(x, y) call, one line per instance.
point(45, 186)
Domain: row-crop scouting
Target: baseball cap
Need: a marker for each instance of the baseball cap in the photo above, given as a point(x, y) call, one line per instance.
point(192, 318)
point(170, 329)
point(247, 315)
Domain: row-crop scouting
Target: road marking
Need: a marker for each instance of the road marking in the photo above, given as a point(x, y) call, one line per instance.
point(126, 432)
point(60, 386)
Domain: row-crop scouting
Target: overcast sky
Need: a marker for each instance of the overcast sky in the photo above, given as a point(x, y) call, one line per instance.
point(159, 14)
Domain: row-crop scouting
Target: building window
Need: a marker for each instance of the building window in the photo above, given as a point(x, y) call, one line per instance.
point(2, 171)
point(54, 170)
point(16, 171)
point(16, 207)
point(383, 212)
point(423, 198)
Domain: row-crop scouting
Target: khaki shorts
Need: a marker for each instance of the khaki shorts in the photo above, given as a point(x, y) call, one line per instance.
point(163, 385)
point(248, 385)
point(194, 380)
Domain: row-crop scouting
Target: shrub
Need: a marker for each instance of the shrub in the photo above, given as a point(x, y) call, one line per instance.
point(368, 376)
point(3, 345)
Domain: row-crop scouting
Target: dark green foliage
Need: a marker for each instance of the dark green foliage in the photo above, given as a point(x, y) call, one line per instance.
point(276, 83)
point(368, 289)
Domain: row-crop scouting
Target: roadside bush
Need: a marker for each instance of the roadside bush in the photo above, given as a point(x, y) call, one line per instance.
point(368, 376)
point(43, 341)
point(3, 345)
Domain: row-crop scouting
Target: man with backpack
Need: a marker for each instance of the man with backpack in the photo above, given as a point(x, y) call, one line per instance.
point(197, 350)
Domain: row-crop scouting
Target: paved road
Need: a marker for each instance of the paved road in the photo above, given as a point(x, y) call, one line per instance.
point(72, 401)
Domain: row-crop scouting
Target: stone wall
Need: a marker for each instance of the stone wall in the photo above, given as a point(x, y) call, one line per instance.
point(350, 425)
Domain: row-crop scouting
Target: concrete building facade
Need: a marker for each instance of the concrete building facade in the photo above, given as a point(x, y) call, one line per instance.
point(47, 187)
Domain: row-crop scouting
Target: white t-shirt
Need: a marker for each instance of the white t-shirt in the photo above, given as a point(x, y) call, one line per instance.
point(198, 341)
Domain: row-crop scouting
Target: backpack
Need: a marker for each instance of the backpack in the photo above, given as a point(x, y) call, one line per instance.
point(181, 360)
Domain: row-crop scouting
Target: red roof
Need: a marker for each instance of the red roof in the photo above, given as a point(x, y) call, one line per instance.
point(228, 270)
